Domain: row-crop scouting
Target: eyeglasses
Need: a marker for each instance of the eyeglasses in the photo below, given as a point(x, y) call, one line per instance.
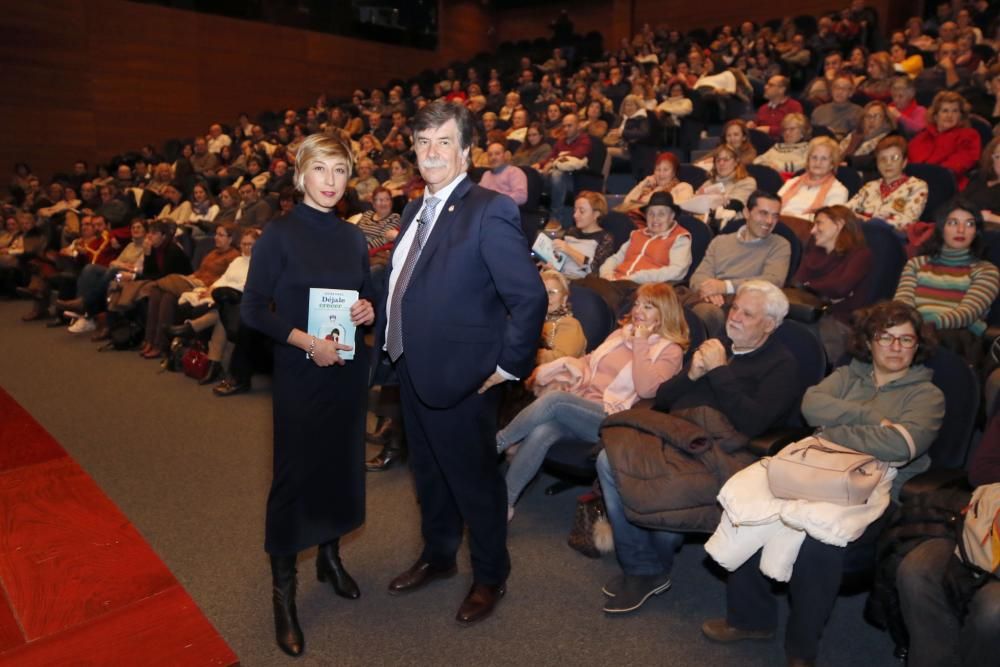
point(554, 292)
point(906, 341)
point(892, 157)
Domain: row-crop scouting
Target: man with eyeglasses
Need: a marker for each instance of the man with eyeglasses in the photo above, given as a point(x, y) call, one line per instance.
point(944, 75)
point(779, 105)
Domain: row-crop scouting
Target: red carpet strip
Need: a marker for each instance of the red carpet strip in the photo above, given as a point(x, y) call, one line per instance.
point(78, 583)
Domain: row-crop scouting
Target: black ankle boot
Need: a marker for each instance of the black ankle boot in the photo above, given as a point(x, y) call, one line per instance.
point(213, 373)
point(329, 568)
point(286, 620)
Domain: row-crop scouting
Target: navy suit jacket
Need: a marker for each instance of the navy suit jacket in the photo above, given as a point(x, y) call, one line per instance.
point(475, 299)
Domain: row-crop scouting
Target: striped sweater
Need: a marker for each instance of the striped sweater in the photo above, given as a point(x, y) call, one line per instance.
point(952, 290)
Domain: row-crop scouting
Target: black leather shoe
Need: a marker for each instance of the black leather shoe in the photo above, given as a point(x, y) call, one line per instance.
point(287, 632)
point(184, 330)
point(479, 603)
point(329, 568)
point(388, 457)
point(229, 387)
point(419, 575)
point(213, 373)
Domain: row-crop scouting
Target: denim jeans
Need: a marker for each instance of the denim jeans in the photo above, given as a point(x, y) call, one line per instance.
point(937, 636)
point(92, 287)
point(640, 551)
point(560, 184)
point(539, 426)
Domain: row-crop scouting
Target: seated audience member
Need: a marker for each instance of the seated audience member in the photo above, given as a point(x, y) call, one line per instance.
point(857, 148)
point(948, 141)
point(402, 177)
point(562, 334)
point(883, 404)
point(569, 154)
point(518, 126)
point(939, 634)
point(789, 155)
point(95, 279)
point(234, 278)
point(984, 190)
point(753, 252)
point(364, 183)
point(533, 151)
point(910, 117)
point(575, 395)
point(949, 283)
point(897, 198)
point(633, 127)
point(818, 186)
point(663, 179)
point(945, 75)
point(204, 208)
point(279, 179)
point(659, 253)
point(253, 211)
point(164, 292)
point(115, 208)
point(67, 202)
point(177, 209)
point(735, 135)
point(502, 176)
point(840, 116)
point(585, 246)
point(778, 105)
point(834, 266)
point(204, 161)
point(676, 106)
point(906, 60)
point(380, 224)
point(877, 85)
point(749, 379)
point(229, 204)
point(728, 182)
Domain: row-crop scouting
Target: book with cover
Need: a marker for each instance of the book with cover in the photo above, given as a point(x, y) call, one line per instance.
point(543, 248)
point(330, 316)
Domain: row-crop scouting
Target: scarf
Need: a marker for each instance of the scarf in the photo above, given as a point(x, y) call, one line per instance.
point(824, 190)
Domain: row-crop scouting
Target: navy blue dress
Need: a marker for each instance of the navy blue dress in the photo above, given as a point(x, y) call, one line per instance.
point(318, 490)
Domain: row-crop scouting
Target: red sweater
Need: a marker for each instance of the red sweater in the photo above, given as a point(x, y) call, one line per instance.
point(836, 276)
point(956, 149)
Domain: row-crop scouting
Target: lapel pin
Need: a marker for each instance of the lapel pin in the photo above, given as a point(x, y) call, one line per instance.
point(451, 208)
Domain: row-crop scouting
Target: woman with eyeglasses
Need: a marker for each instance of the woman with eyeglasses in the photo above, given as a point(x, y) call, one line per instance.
point(950, 284)
point(884, 404)
point(896, 197)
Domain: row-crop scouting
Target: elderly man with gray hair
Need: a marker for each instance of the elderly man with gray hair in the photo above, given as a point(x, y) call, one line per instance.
point(737, 387)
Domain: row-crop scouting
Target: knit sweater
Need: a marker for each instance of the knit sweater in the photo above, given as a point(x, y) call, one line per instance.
point(898, 206)
point(729, 257)
point(952, 290)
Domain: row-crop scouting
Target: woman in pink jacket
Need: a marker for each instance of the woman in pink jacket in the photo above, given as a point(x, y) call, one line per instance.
point(577, 394)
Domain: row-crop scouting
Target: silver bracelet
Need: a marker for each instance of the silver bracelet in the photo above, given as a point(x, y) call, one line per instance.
point(312, 348)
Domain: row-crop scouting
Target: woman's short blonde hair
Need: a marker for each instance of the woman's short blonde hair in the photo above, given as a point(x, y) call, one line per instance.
point(673, 325)
point(830, 143)
point(800, 120)
point(319, 147)
point(555, 276)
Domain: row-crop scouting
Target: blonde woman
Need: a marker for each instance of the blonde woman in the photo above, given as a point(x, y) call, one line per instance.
point(789, 155)
point(577, 394)
point(803, 195)
point(318, 491)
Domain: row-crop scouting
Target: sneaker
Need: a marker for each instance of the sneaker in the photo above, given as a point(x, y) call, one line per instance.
point(82, 325)
point(719, 630)
point(634, 591)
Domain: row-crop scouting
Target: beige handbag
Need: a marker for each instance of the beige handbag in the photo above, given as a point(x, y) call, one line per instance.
point(819, 470)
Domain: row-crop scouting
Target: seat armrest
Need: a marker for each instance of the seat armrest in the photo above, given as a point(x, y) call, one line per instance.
point(932, 480)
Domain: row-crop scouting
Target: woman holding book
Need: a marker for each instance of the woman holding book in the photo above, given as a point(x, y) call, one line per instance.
point(317, 493)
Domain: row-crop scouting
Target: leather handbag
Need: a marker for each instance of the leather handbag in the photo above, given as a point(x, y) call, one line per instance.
point(195, 362)
point(591, 531)
point(804, 306)
point(823, 471)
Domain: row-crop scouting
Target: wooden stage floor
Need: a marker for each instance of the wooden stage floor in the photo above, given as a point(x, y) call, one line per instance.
point(78, 583)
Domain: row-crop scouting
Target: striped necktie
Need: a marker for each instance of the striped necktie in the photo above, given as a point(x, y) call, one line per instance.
point(394, 337)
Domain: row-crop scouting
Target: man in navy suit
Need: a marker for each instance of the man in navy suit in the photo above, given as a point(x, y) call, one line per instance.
point(463, 313)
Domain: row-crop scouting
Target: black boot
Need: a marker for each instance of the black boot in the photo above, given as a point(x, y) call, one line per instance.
point(329, 568)
point(286, 620)
point(213, 373)
point(393, 451)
